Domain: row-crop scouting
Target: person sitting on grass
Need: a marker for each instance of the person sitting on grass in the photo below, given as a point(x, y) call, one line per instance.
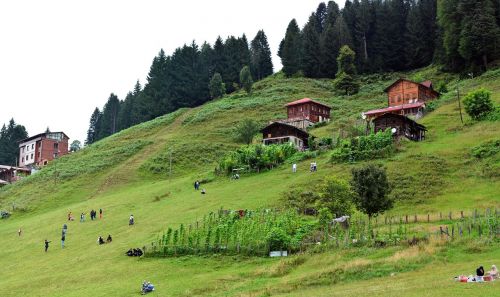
point(147, 287)
point(109, 239)
point(479, 273)
point(100, 240)
point(493, 272)
point(130, 253)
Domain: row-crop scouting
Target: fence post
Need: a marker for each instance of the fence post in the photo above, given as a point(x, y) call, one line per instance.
point(416, 219)
point(428, 218)
point(406, 218)
point(462, 214)
point(440, 216)
point(449, 215)
point(460, 230)
point(452, 231)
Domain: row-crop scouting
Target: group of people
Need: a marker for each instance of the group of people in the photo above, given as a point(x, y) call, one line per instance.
point(93, 214)
point(197, 187)
point(134, 252)
point(100, 240)
point(313, 167)
point(480, 276)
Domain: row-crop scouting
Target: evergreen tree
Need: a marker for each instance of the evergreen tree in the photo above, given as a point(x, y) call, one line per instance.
point(480, 34)
point(291, 51)
point(261, 63)
point(449, 20)
point(10, 135)
point(94, 127)
point(216, 86)
point(321, 14)
point(156, 87)
point(310, 48)
point(246, 80)
point(345, 80)
point(110, 112)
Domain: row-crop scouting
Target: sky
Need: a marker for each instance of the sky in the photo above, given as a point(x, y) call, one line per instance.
point(59, 59)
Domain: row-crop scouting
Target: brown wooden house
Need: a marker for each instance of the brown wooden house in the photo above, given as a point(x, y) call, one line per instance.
point(404, 91)
point(278, 133)
point(406, 97)
point(308, 109)
point(402, 125)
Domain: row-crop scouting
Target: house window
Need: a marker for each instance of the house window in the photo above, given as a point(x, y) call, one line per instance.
point(56, 146)
point(32, 146)
point(22, 159)
point(22, 149)
point(31, 156)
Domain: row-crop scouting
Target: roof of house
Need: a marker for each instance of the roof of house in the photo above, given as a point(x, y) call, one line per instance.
point(404, 118)
point(301, 131)
point(306, 100)
point(394, 108)
point(7, 167)
point(40, 135)
point(427, 84)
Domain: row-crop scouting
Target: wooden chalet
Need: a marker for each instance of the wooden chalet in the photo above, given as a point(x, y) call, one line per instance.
point(279, 133)
point(406, 97)
point(308, 109)
point(404, 126)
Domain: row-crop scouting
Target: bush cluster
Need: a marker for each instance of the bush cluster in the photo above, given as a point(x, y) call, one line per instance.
point(256, 157)
point(364, 147)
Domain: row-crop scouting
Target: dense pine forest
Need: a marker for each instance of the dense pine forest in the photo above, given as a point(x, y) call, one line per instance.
point(9, 137)
point(385, 35)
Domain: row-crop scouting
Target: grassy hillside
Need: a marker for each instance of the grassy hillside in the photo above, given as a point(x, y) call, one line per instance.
point(130, 173)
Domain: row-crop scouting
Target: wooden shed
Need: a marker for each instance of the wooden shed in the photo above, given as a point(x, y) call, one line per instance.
point(404, 126)
point(278, 133)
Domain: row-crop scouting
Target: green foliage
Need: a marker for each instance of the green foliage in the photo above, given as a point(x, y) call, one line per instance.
point(256, 157)
point(300, 199)
point(231, 232)
point(478, 104)
point(217, 86)
point(261, 62)
point(291, 49)
point(76, 145)
point(246, 80)
point(346, 83)
point(336, 195)
point(371, 186)
point(377, 145)
point(245, 131)
point(345, 61)
point(487, 149)
point(9, 146)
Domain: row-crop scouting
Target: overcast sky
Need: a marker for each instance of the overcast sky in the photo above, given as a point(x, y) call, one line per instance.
point(61, 59)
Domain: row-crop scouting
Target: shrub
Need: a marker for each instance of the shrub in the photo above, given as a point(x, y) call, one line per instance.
point(246, 79)
point(336, 195)
point(486, 149)
point(216, 86)
point(363, 147)
point(372, 188)
point(478, 104)
point(256, 157)
point(277, 239)
point(246, 130)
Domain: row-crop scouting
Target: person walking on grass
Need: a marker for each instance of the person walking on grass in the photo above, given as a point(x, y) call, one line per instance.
point(82, 218)
point(19, 232)
point(294, 168)
point(100, 213)
point(46, 245)
point(131, 220)
point(63, 238)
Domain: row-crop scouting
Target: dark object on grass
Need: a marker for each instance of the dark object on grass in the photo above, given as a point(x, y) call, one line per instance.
point(134, 252)
point(4, 214)
point(147, 287)
point(109, 239)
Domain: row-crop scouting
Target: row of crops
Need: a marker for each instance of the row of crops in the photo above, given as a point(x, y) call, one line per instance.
point(257, 233)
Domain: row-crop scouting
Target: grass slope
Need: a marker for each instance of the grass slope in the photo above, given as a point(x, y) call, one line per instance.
point(130, 173)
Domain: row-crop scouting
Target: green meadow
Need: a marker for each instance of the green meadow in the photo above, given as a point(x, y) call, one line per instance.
point(148, 170)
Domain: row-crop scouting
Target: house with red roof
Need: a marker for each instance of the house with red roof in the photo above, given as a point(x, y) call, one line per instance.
point(406, 97)
point(308, 109)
